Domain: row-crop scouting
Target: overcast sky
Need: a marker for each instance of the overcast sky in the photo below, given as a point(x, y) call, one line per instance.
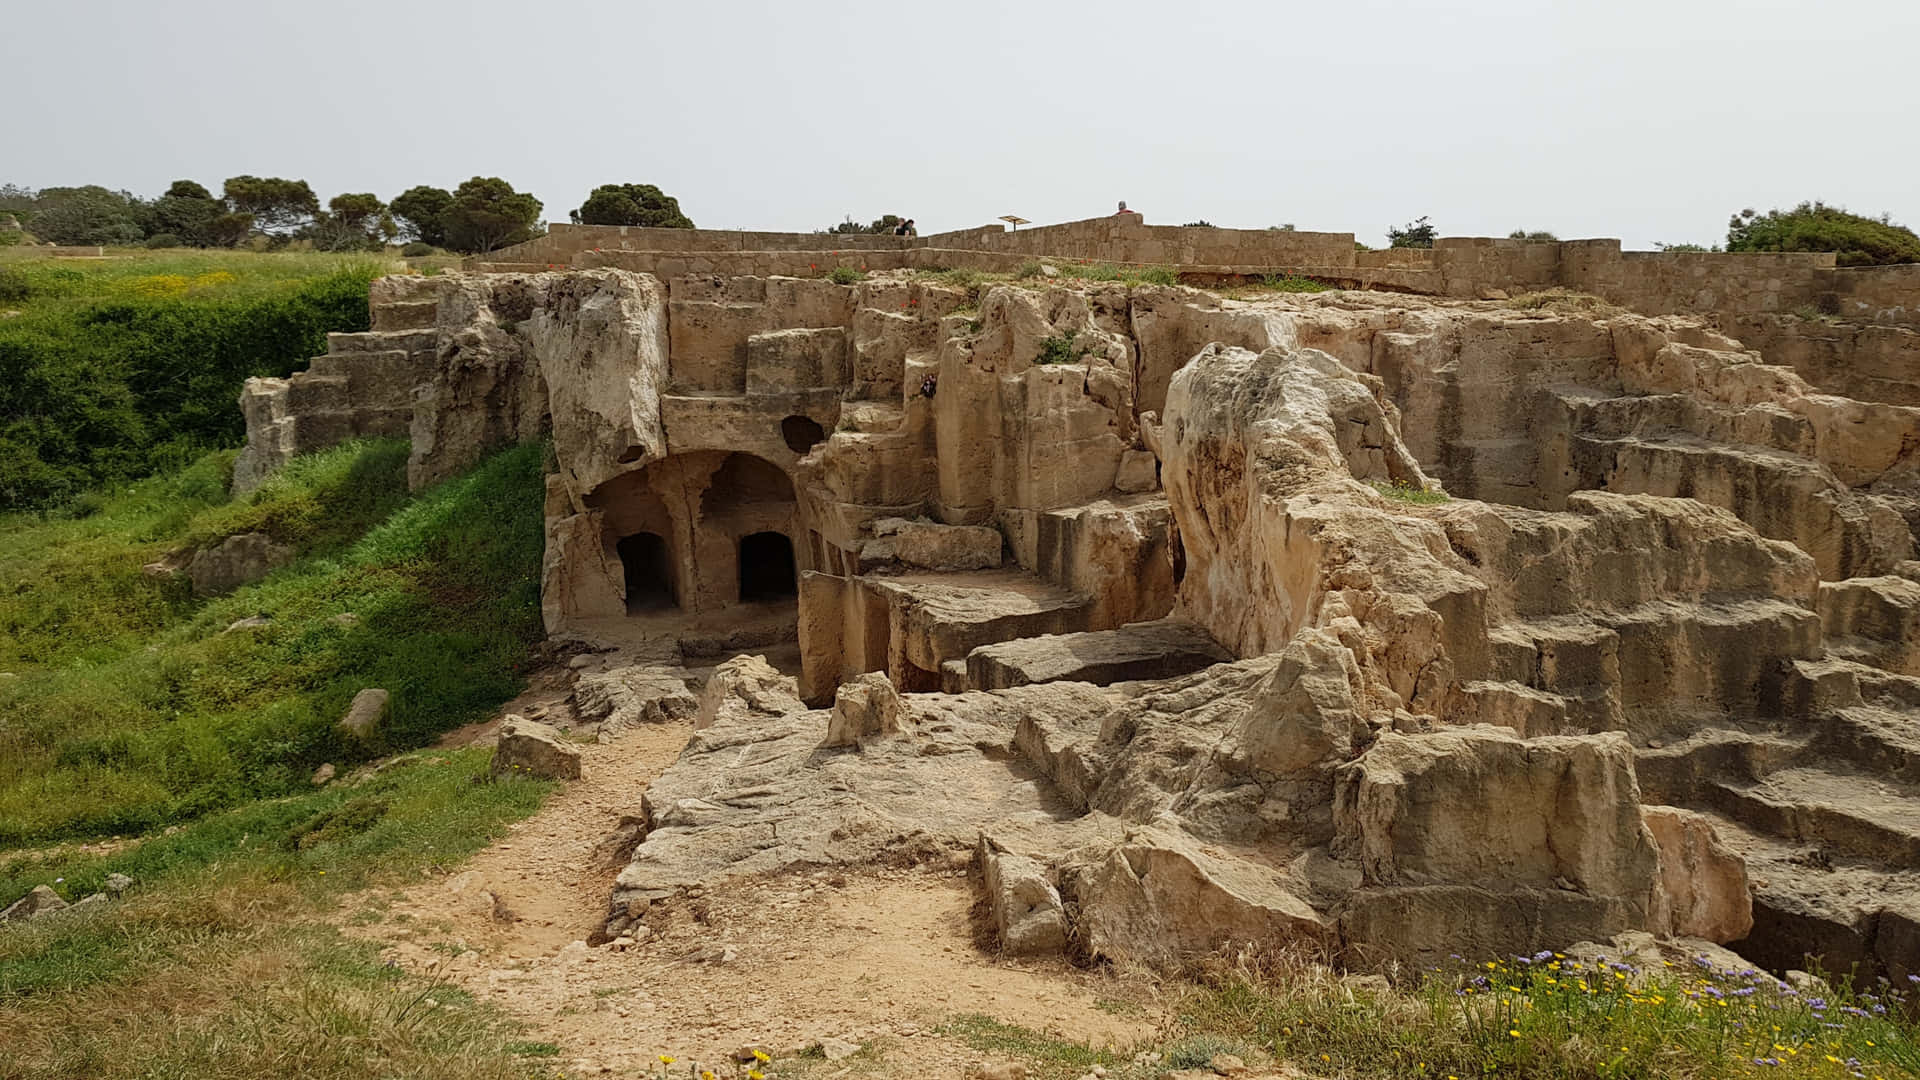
point(1643, 119)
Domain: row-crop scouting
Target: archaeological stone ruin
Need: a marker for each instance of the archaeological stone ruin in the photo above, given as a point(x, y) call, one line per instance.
point(1504, 597)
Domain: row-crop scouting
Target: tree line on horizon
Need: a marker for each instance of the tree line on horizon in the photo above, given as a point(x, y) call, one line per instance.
point(482, 214)
point(486, 213)
point(1811, 227)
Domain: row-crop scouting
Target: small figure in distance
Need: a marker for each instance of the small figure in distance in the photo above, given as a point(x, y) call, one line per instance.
point(902, 227)
point(1123, 209)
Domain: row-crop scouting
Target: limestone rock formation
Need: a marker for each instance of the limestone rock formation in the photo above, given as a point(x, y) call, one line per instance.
point(1361, 621)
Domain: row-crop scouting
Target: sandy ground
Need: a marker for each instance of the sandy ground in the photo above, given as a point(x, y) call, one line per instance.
point(875, 956)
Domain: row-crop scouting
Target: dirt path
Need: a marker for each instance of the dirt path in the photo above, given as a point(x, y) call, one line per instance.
point(874, 956)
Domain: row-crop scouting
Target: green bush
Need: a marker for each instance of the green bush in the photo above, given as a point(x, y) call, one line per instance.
point(1813, 226)
point(417, 250)
point(141, 373)
point(14, 286)
point(162, 240)
point(11, 237)
point(846, 275)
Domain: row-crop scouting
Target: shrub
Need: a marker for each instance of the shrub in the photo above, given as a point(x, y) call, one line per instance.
point(417, 250)
point(1814, 226)
point(1697, 248)
point(1401, 491)
point(1059, 349)
point(14, 286)
point(11, 237)
point(1418, 233)
point(162, 240)
point(846, 275)
point(1538, 236)
point(1028, 269)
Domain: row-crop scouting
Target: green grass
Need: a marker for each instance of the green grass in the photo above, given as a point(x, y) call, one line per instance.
point(1049, 1058)
point(1403, 492)
point(214, 964)
point(846, 275)
point(119, 368)
point(132, 708)
point(1128, 275)
point(1291, 283)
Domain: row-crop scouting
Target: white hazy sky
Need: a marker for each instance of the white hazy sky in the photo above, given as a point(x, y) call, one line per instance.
point(1643, 119)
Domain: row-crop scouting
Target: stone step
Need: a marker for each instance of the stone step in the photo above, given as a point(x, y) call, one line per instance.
point(1678, 773)
point(1783, 496)
point(346, 363)
point(1162, 649)
point(309, 393)
point(405, 315)
point(1849, 813)
point(1874, 621)
point(938, 616)
point(1531, 711)
point(1814, 908)
point(410, 341)
point(1718, 654)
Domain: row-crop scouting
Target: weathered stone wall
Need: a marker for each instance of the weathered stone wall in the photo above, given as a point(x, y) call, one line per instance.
point(1874, 294)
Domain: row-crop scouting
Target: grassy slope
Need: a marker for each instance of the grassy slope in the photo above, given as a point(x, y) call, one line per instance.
point(132, 711)
point(134, 708)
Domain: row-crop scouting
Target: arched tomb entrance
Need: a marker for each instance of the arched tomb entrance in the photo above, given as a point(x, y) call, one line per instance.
point(701, 532)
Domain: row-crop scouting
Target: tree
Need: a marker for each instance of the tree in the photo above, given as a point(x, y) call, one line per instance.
point(186, 211)
point(87, 216)
point(1539, 236)
point(421, 213)
point(353, 222)
point(1203, 223)
point(1683, 247)
point(1815, 226)
point(886, 223)
point(229, 230)
point(632, 204)
point(486, 213)
point(1417, 234)
point(280, 207)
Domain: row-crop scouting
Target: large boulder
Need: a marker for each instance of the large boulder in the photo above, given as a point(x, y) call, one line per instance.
point(367, 714)
point(236, 561)
point(530, 748)
point(41, 900)
point(1161, 899)
point(1481, 806)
